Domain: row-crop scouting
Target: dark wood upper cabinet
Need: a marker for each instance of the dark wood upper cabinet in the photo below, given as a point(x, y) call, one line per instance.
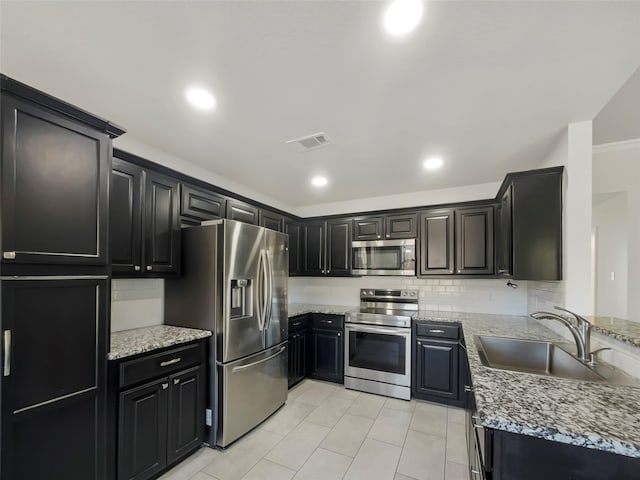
point(436, 242)
point(401, 226)
point(144, 221)
point(294, 230)
point(368, 228)
point(201, 205)
point(386, 227)
point(313, 247)
point(338, 253)
point(474, 241)
point(55, 187)
point(162, 229)
point(125, 216)
point(537, 225)
point(243, 212)
point(271, 220)
point(327, 247)
point(504, 233)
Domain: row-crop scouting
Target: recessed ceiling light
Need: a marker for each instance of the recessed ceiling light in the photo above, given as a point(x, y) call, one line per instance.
point(433, 163)
point(319, 181)
point(402, 16)
point(200, 98)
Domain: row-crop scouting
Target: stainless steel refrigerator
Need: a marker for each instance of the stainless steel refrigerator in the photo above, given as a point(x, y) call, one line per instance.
point(234, 283)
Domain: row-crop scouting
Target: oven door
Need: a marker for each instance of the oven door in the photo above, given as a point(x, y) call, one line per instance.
point(381, 354)
point(384, 257)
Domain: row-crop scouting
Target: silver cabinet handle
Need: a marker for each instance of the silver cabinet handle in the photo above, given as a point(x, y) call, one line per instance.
point(176, 381)
point(242, 367)
point(173, 361)
point(419, 343)
point(7, 353)
point(165, 386)
point(326, 321)
point(338, 333)
point(9, 255)
point(378, 236)
point(467, 388)
point(328, 271)
point(137, 268)
point(149, 267)
point(388, 235)
point(437, 330)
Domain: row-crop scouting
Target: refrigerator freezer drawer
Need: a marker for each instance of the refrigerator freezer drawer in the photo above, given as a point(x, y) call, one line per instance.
point(252, 389)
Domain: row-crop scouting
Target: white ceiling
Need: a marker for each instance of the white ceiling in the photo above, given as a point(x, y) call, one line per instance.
point(480, 83)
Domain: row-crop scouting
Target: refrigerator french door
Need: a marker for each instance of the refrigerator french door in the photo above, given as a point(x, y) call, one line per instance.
point(234, 283)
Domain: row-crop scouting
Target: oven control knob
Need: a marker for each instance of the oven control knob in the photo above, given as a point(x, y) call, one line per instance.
point(403, 294)
point(413, 294)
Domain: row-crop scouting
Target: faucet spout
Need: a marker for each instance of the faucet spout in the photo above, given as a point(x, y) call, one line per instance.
point(580, 337)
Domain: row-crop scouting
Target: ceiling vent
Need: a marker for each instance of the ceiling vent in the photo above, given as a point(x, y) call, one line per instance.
point(311, 142)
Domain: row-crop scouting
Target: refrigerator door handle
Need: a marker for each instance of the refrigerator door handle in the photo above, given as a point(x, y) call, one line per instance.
point(260, 293)
point(269, 303)
point(266, 285)
point(249, 365)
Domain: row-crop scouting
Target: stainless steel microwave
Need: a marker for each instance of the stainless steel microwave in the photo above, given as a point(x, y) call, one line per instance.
point(384, 257)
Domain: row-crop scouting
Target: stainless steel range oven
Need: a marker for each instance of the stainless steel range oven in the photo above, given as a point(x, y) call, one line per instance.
point(378, 342)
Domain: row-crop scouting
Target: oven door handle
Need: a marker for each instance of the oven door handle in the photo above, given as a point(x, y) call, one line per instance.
point(389, 331)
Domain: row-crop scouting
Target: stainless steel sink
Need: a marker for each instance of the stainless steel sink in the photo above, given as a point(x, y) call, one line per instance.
point(532, 356)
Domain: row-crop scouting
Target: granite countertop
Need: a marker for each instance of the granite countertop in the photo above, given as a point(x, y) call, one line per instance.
point(302, 308)
point(624, 330)
point(139, 340)
point(588, 414)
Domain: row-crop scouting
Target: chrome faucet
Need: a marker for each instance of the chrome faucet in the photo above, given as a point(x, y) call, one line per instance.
point(581, 333)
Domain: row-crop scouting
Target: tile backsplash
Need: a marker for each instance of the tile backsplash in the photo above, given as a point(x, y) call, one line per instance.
point(459, 295)
point(136, 303)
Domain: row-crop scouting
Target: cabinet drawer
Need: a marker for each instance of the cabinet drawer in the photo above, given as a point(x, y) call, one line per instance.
point(160, 364)
point(329, 322)
point(438, 330)
point(298, 323)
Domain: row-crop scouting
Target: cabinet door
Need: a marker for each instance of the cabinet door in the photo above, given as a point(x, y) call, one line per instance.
point(186, 413)
point(301, 355)
point(338, 247)
point(162, 228)
point(292, 373)
point(474, 241)
point(55, 188)
point(436, 369)
point(125, 217)
point(368, 228)
point(142, 431)
point(243, 212)
point(271, 220)
point(294, 230)
point(201, 205)
point(53, 384)
point(328, 355)
point(313, 246)
point(504, 241)
point(401, 226)
point(436, 242)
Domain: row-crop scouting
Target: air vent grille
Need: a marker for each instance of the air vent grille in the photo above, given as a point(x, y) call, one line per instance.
point(311, 142)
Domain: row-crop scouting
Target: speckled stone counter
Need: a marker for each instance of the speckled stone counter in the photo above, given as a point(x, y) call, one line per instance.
point(588, 414)
point(623, 330)
point(302, 308)
point(139, 340)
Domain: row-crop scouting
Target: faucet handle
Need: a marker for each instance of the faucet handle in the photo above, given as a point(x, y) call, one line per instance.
point(593, 355)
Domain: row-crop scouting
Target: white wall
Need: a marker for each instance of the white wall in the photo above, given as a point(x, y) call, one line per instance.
point(136, 303)
point(458, 295)
point(616, 168)
point(404, 200)
point(610, 220)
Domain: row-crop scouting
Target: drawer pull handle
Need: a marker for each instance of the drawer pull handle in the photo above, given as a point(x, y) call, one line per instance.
point(326, 321)
point(137, 268)
point(437, 330)
point(165, 386)
point(467, 388)
point(7, 353)
point(295, 324)
point(9, 255)
point(176, 381)
point(173, 361)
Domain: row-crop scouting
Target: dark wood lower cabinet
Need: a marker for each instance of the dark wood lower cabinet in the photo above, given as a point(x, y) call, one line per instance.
point(326, 354)
point(297, 357)
point(162, 420)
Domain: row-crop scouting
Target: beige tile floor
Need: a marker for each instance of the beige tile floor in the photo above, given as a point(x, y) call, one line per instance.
point(326, 432)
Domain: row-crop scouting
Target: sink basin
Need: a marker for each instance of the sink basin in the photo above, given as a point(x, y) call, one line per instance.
point(532, 356)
